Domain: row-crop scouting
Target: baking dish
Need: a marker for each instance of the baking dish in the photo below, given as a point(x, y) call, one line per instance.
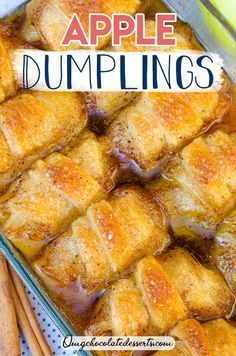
point(200, 11)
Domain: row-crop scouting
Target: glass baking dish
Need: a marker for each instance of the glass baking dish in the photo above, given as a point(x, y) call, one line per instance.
point(204, 19)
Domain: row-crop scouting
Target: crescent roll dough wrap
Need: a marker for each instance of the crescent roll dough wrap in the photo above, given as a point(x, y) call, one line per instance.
point(9, 41)
point(190, 339)
point(50, 18)
point(32, 124)
point(155, 125)
point(197, 189)
point(221, 336)
point(105, 242)
point(55, 191)
point(223, 252)
point(103, 105)
point(209, 339)
point(161, 292)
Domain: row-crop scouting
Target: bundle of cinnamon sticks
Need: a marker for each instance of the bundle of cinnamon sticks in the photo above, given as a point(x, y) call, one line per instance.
point(16, 310)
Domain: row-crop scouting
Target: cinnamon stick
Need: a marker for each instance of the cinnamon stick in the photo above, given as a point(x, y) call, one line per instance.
point(29, 311)
point(24, 324)
point(9, 336)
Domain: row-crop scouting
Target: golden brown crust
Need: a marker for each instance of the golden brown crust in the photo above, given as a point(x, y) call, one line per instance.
point(192, 333)
point(9, 41)
point(51, 18)
point(203, 290)
point(129, 315)
point(221, 337)
point(6, 157)
point(33, 124)
point(197, 189)
point(183, 35)
point(103, 105)
point(71, 180)
point(52, 194)
point(63, 253)
point(67, 247)
point(213, 338)
point(159, 295)
point(171, 288)
point(114, 234)
point(155, 125)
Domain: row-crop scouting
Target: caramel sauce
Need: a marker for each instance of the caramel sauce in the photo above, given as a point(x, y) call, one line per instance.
point(75, 304)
